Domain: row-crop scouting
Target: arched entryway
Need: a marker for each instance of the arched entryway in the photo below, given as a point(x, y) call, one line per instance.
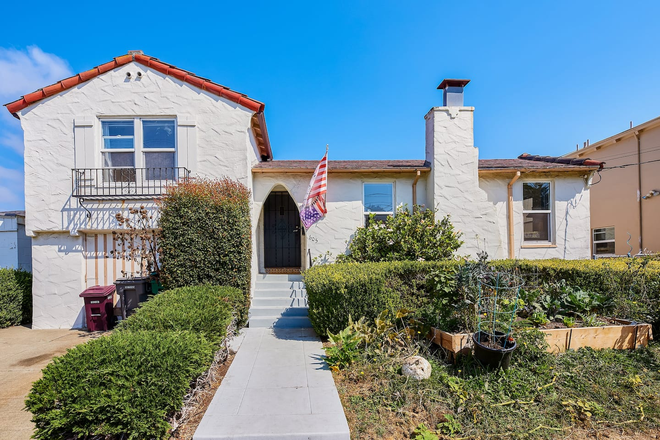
point(282, 234)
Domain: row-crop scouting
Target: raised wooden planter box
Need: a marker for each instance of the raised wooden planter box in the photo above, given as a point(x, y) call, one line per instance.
point(620, 337)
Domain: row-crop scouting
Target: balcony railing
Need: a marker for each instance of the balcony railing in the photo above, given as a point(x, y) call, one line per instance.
point(124, 183)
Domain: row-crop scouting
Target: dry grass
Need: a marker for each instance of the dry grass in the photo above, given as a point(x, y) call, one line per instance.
point(196, 409)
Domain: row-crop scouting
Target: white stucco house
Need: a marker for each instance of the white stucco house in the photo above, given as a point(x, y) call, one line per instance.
point(108, 138)
point(15, 245)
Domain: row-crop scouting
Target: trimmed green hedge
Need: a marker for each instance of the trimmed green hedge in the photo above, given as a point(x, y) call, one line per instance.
point(206, 234)
point(124, 383)
point(127, 384)
point(338, 291)
point(206, 310)
point(15, 297)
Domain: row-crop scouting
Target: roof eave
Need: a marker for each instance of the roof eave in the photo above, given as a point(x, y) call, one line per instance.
point(536, 170)
point(258, 170)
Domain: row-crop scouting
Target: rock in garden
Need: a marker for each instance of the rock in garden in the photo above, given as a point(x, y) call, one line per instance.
point(416, 367)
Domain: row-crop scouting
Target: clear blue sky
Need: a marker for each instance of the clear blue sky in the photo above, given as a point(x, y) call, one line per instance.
point(361, 75)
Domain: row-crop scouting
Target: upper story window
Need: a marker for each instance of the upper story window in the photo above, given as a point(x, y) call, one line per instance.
point(139, 143)
point(378, 199)
point(604, 243)
point(537, 211)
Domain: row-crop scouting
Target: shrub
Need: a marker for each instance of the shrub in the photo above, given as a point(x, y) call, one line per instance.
point(437, 292)
point(15, 297)
point(339, 291)
point(124, 384)
point(206, 310)
point(206, 234)
point(405, 236)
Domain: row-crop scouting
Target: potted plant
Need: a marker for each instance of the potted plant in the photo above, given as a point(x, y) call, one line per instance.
point(497, 304)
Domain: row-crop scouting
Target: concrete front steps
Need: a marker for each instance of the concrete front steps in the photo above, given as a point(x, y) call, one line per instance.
point(279, 301)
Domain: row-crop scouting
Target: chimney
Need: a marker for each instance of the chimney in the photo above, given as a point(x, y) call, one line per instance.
point(135, 52)
point(452, 92)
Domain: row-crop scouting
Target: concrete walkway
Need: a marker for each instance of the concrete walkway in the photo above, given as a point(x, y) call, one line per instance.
point(23, 354)
point(277, 387)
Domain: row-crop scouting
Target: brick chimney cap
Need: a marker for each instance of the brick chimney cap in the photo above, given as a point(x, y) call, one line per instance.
point(453, 83)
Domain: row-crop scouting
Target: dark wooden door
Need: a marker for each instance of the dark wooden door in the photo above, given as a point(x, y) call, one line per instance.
point(281, 231)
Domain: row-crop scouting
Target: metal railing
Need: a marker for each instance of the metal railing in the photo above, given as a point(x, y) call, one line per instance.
point(124, 183)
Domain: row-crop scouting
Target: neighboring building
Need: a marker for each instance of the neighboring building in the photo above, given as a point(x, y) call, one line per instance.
point(625, 197)
point(111, 137)
point(15, 246)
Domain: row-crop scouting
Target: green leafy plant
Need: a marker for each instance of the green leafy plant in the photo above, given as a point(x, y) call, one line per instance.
point(450, 426)
point(344, 349)
point(592, 321)
point(414, 236)
point(538, 319)
point(424, 433)
point(15, 297)
point(569, 321)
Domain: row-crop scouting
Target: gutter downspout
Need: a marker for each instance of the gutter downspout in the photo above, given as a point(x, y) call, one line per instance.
point(639, 188)
point(509, 203)
point(414, 189)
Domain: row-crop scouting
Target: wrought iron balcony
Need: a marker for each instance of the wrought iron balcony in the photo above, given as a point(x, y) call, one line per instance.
point(124, 183)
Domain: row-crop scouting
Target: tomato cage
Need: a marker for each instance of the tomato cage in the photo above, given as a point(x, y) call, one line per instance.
point(499, 299)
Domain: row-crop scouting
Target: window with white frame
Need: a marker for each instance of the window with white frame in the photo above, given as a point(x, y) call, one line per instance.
point(378, 199)
point(604, 241)
point(537, 212)
point(148, 143)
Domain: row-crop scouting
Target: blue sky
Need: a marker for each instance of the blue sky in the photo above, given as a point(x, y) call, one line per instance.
point(361, 75)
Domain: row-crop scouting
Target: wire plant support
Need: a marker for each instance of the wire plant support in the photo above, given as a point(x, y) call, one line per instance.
point(498, 302)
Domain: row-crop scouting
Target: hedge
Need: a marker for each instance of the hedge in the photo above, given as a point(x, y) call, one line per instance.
point(15, 297)
point(206, 234)
point(127, 384)
point(338, 291)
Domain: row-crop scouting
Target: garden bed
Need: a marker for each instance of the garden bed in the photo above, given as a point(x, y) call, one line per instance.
point(627, 335)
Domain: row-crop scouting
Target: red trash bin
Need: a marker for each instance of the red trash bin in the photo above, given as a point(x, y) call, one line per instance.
point(99, 307)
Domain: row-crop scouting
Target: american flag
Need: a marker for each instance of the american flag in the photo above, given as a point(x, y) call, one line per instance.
point(314, 208)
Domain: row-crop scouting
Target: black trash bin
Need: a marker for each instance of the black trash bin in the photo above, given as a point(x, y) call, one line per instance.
point(132, 292)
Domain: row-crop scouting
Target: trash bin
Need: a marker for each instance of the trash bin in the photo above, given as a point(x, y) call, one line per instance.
point(98, 307)
point(131, 292)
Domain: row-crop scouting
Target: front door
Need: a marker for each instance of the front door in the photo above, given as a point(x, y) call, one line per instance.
point(281, 231)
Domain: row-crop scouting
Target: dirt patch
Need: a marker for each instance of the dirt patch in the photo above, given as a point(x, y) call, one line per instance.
point(187, 430)
point(33, 360)
point(607, 434)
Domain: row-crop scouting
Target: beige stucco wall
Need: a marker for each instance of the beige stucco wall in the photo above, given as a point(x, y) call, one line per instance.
point(615, 198)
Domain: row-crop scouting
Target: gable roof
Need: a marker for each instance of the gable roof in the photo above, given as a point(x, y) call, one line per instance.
point(258, 120)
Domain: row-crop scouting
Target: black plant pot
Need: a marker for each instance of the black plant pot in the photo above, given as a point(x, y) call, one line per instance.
point(493, 357)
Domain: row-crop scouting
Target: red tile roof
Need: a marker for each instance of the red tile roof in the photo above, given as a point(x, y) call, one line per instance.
point(167, 69)
point(303, 166)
